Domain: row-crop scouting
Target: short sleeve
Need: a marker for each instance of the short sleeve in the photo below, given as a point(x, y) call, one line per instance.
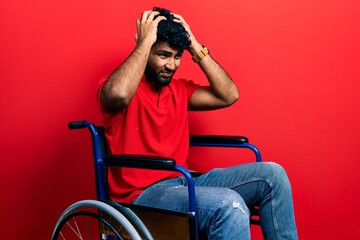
point(98, 92)
point(191, 87)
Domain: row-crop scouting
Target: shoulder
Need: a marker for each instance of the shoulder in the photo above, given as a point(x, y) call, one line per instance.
point(184, 83)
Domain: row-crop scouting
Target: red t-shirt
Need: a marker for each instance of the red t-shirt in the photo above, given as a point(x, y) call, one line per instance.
point(152, 124)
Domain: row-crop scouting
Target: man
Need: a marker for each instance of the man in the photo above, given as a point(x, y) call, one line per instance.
point(146, 112)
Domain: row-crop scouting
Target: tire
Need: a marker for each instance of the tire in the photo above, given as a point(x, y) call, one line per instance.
point(90, 219)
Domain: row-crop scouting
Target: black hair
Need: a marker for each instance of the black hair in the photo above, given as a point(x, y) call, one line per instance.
point(171, 32)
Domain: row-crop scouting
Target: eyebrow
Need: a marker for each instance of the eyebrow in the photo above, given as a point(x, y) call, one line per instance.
point(164, 52)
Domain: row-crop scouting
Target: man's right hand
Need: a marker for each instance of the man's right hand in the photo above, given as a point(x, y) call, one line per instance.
point(147, 27)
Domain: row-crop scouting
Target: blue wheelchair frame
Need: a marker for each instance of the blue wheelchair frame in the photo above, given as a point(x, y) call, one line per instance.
point(102, 160)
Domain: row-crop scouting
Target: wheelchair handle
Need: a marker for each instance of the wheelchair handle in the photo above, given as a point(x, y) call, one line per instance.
point(77, 125)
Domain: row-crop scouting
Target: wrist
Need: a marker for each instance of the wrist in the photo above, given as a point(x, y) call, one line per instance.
point(145, 44)
point(195, 48)
point(204, 51)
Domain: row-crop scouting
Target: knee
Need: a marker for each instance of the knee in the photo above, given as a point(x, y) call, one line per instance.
point(276, 175)
point(232, 205)
point(275, 168)
point(227, 216)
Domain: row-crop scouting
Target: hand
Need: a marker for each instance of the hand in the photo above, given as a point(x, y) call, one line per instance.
point(147, 27)
point(195, 46)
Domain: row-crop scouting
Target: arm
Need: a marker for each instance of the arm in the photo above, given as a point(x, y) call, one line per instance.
point(222, 91)
point(124, 81)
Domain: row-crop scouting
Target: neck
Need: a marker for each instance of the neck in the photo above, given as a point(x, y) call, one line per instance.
point(153, 85)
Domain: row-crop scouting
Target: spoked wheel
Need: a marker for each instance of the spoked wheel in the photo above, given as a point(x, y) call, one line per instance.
point(90, 219)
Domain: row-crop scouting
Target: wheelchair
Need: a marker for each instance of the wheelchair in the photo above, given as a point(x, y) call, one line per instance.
point(104, 219)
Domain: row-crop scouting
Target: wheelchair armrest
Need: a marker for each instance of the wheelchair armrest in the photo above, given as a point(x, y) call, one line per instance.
point(214, 139)
point(140, 161)
point(225, 141)
point(155, 163)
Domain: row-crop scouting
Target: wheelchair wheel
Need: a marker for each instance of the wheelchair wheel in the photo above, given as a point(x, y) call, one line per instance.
point(90, 219)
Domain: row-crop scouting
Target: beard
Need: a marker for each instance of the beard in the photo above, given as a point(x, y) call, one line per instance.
point(152, 76)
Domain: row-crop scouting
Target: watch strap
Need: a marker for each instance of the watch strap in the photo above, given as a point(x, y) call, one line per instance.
point(200, 55)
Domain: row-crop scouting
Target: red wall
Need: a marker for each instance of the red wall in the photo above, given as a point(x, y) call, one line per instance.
point(296, 64)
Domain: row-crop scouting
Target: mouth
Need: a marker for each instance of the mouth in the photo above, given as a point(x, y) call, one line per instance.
point(166, 74)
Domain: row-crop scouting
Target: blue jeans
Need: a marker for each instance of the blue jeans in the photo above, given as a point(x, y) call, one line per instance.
point(224, 196)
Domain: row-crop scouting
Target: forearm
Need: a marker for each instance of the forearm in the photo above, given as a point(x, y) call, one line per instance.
point(221, 83)
point(124, 81)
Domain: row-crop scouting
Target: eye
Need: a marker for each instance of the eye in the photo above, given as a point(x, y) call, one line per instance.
point(178, 56)
point(163, 55)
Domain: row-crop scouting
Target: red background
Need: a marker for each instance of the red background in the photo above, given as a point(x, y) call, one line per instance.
point(296, 64)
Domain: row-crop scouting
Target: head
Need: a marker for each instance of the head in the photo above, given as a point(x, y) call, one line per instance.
point(170, 32)
point(166, 53)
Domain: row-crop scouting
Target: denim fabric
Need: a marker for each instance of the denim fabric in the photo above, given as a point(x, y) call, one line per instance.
point(224, 197)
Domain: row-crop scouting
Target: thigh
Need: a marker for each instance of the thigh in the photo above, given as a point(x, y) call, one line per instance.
point(252, 181)
point(173, 195)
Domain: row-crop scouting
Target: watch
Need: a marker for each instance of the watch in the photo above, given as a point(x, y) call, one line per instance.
point(200, 55)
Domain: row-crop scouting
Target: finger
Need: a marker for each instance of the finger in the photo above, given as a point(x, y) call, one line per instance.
point(136, 38)
point(178, 18)
point(160, 18)
point(181, 20)
point(151, 16)
point(145, 16)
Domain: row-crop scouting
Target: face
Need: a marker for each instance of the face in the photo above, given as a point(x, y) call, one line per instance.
point(162, 64)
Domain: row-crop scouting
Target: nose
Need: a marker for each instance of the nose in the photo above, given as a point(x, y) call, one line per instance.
point(171, 64)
